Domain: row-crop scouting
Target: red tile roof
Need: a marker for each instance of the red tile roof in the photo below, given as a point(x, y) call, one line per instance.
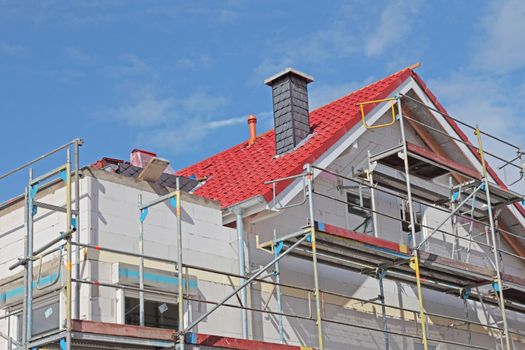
point(239, 173)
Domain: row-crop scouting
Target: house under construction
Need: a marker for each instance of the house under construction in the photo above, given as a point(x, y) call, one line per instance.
point(372, 222)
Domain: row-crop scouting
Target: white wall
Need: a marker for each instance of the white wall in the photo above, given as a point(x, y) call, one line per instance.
point(299, 272)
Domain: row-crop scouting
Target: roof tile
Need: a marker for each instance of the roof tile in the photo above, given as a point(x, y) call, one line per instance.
point(239, 173)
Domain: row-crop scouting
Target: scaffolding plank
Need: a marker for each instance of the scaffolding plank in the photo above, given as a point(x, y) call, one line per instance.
point(220, 342)
point(423, 162)
point(427, 155)
point(422, 189)
point(121, 330)
point(355, 236)
point(373, 252)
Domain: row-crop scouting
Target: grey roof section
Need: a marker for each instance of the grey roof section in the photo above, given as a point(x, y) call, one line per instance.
point(291, 70)
point(186, 184)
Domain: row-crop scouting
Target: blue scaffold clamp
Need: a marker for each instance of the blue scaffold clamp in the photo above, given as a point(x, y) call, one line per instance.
point(173, 202)
point(63, 175)
point(466, 293)
point(63, 345)
point(34, 190)
point(279, 247)
point(496, 286)
point(455, 196)
point(309, 238)
point(143, 214)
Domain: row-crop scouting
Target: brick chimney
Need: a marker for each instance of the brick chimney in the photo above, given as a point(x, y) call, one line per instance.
point(290, 108)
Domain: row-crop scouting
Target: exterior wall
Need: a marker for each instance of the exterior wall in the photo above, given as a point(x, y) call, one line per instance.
point(206, 243)
point(47, 226)
point(110, 218)
point(295, 271)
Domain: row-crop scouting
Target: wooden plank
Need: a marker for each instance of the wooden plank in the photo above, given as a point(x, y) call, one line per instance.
point(122, 330)
point(443, 161)
point(360, 237)
point(154, 169)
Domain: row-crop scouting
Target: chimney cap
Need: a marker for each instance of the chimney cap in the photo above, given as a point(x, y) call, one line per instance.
point(289, 70)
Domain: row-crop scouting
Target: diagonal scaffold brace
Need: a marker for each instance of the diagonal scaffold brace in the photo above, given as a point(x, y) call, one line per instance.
point(244, 285)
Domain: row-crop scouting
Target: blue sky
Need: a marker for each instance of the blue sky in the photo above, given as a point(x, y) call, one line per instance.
point(180, 78)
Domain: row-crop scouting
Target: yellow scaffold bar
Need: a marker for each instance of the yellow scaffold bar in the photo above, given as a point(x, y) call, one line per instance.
point(414, 264)
point(392, 102)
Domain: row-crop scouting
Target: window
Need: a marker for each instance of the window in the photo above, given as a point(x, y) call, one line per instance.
point(405, 216)
point(157, 314)
point(355, 206)
point(45, 319)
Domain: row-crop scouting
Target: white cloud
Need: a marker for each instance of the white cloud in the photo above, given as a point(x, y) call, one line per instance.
point(482, 100)
point(502, 47)
point(12, 50)
point(78, 56)
point(395, 22)
point(321, 94)
point(170, 122)
point(203, 103)
point(347, 35)
point(132, 65)
point(144, 110)
point(202, 61)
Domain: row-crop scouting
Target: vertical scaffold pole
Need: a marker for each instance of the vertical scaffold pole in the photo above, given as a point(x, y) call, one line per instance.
point(278, 291)
point(68, 251)
point(318, 317)
point(142, 216)
point(412, 225)
point(180, 297)
point(77, 145)
point(26, 278)
point(29, 264)
point(372, 197)
point(499, 282)
point(242, 269)
point(380, 276)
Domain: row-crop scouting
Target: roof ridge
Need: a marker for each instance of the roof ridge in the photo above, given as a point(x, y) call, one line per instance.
point(365, 87)
point(314, 111)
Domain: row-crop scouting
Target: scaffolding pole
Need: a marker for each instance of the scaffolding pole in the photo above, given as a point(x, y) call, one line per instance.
point(499, 282)
point(412, 223)
point(372, 196)
point(142, 217)
point(318, 314)
point(380, 275)
point(76, 169)
point(28, 291)
point(278, 289)
point(243, 285)
point(68, 253)
point(180, 296)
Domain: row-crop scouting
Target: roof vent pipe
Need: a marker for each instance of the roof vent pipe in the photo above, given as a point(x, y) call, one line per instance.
point(252, 122)
point(290, 108)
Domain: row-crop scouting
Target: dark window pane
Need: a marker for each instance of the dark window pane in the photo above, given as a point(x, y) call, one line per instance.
point(45, 318)
point(354, 204)
point(156, 313)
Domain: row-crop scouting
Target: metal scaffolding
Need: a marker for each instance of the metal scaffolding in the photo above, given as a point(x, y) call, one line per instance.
point(321, 242)
point(65, 173)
